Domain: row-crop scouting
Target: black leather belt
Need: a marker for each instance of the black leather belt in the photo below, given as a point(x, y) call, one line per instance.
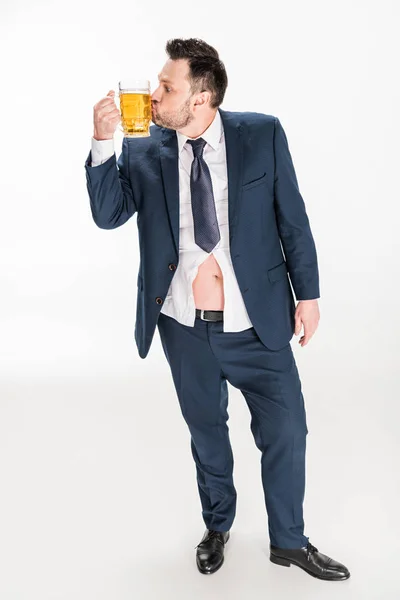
point(210, 315)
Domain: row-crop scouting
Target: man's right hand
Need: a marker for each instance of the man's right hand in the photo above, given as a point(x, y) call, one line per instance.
point(106, 117)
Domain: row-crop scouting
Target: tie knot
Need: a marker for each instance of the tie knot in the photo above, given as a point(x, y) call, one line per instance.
point(198, 146)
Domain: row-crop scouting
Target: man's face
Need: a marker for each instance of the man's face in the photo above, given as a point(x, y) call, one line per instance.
point(172, 101)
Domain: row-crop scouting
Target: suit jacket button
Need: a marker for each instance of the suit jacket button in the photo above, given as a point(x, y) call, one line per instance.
point(171, 267)
point(159, 300)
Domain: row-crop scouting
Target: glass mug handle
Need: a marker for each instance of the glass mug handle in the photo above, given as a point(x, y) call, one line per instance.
point(119, 127)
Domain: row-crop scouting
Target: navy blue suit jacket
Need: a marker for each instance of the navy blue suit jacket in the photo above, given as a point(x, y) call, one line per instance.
point(270, 234)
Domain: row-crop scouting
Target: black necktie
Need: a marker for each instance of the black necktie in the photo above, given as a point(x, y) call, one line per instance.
point(206, 230)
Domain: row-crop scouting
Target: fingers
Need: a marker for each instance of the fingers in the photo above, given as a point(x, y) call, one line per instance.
point(107, 104)
point(108, 113)
point(106, 117)
point(303, 341)
point(309, 331)
point(297, 324)
point(108, 110)
point(308, 318)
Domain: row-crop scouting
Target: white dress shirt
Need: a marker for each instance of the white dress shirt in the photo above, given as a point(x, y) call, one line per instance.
point(179, 302)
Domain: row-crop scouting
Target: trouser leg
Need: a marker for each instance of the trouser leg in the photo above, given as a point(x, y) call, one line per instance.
point(203, 397)
point(270, 384)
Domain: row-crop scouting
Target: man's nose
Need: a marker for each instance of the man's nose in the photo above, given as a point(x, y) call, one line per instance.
point(155, 97)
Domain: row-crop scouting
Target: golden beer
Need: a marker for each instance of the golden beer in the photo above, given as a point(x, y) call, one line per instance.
point(135, 107)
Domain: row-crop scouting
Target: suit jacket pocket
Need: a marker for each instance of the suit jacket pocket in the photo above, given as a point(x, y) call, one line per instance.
point(278, 272)
point(254, 182)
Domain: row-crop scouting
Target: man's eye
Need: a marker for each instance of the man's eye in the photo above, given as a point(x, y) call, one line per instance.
point(167, 88)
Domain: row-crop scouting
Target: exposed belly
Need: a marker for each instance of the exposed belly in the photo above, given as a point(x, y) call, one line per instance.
point(208, 285)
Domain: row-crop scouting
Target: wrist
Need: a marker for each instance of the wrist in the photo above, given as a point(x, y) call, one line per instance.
point(101, 138)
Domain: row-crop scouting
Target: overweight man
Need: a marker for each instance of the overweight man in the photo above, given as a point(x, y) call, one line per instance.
point(222, 227)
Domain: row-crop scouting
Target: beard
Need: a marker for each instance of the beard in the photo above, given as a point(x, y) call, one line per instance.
point(177, 119)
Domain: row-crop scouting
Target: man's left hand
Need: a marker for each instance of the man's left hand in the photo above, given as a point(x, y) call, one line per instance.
point(307, 313)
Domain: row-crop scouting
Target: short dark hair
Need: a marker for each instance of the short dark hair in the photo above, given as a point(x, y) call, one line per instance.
point(206, 70)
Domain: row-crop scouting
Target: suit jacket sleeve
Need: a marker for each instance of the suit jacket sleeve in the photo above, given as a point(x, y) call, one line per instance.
point(293, 223)
point(111, 196)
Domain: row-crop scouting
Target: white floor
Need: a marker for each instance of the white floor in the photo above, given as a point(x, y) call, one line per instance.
point(99, 498)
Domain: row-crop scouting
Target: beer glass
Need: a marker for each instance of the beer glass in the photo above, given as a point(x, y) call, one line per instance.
point(135, 106)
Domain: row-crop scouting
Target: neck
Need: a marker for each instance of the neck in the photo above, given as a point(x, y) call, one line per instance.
point(197, 128)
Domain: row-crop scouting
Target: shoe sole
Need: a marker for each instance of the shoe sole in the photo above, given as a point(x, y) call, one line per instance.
point(220, 564)
point(284, 562)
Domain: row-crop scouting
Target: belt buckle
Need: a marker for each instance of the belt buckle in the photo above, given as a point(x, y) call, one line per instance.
point(202, 315)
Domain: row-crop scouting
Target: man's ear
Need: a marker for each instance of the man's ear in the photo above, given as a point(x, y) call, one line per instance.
point(202, 98)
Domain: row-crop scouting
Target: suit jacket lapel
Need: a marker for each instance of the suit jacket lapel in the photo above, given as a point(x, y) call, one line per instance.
point(170, 174)
point(233, 130)
point(170, 171)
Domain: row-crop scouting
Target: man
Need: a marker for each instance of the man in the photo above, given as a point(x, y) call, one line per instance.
point(218, 204)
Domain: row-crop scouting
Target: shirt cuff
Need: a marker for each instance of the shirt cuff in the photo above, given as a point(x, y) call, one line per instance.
point(102, 150)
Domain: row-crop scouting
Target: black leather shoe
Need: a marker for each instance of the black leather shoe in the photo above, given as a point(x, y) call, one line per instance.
point(310, 560)
point(210, 551)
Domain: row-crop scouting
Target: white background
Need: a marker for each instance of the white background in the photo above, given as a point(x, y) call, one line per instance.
point(98, 495)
